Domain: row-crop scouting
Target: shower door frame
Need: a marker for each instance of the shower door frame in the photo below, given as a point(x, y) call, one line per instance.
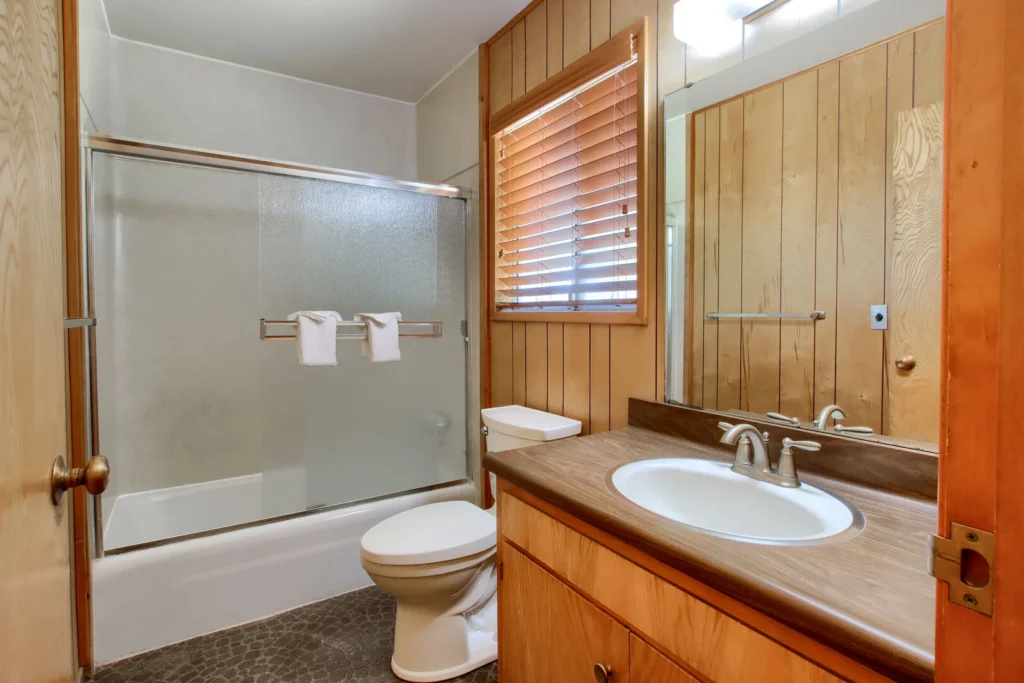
point(86, 400)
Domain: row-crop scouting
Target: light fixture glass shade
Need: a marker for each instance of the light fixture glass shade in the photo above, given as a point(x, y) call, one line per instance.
point(708, 26)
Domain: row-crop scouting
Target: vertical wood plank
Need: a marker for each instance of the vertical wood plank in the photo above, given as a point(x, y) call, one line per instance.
point(929, 64)
point(695, 352)
point(537, 365)
point(554, 32)
point(575, 30)
point(899, 98)
point(730, 249)
point(600, 22)
point(711, 194)
point(633, 365)
point(915, 296)
point(799, 202)
point(762, 244)
point(537, 46)
point(861, 270)
point(555, 361)
point(826, 254)
point(501, 72)
point(518, 59)
point(502, 393)
point(576, 373)
point(600, 355)
point(625, 12)
point(519, 363)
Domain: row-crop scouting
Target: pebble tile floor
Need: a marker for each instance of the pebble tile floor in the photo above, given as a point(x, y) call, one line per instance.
point(346, 639)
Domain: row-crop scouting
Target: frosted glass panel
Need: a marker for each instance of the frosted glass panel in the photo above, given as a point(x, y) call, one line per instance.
point(362, 429)
point(205, 425)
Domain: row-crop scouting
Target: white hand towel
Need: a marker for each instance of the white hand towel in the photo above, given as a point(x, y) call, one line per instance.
point(381, 342)
point(317, 332)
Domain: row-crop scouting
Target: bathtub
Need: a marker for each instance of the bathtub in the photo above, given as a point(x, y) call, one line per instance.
point(146, 599)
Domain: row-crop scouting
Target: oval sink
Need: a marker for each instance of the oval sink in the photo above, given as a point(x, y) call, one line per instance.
point(709, 496)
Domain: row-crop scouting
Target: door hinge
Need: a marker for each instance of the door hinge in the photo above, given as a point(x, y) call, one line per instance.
point(501, 571)
point(965, 561)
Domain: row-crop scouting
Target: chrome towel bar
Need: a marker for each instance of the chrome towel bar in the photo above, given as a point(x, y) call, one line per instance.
point(813, 315)
point(285, 329)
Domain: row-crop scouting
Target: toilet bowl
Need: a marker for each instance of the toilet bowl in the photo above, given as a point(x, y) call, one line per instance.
point(438, 562)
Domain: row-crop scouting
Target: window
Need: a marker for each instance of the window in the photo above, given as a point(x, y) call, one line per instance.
point(568, 193)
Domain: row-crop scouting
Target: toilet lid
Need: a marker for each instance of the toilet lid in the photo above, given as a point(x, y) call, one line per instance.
point(432, 533)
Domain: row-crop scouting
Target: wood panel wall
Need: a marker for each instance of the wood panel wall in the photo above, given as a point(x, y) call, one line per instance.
point(791, 202)
point(585, 371)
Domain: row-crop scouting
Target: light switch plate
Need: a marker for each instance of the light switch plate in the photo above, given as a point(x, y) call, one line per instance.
point(880, 317)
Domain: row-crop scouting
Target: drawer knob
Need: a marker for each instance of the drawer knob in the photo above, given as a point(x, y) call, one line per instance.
point(602, 673)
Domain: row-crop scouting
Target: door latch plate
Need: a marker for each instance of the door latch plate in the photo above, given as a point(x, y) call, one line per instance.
point(965, 561)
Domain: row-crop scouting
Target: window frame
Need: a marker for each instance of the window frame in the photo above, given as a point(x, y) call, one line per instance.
point(608, 55)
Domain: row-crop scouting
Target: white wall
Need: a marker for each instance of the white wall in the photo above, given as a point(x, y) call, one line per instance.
point(448, 124)
point(136, 90)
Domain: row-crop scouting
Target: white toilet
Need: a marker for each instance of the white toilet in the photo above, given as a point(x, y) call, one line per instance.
point(438, 561)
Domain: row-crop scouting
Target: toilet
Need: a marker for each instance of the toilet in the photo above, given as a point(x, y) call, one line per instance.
point(438, 562)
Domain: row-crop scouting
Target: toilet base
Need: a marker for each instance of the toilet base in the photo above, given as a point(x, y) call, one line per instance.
point(435, 647)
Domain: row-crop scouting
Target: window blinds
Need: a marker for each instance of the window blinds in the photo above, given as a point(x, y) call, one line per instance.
point(566, 200)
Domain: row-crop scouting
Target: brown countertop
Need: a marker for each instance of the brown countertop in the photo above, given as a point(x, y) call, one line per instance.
point(869, 597)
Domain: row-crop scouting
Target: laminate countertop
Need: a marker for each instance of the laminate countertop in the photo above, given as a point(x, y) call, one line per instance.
point(869, 597)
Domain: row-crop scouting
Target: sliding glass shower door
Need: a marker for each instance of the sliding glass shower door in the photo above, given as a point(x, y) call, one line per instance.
point(207, 425)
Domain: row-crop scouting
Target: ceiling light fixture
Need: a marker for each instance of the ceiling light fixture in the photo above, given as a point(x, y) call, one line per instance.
point(712, 26)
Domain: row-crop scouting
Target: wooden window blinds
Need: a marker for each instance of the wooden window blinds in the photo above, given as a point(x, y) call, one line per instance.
point(566, 200)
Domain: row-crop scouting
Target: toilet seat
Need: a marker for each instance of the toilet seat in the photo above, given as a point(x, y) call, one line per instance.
point(431, 534)
point(413, 571)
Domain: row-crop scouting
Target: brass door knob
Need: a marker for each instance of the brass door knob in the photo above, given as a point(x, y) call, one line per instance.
point(94, 476)
point(906, 363)
point(602, 673)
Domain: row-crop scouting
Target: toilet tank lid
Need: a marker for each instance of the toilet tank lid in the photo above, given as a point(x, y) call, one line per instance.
point(527, 423)
point(438, 532)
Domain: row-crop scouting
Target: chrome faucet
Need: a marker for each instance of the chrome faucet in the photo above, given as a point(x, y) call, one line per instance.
point(757, 465)
point(835, 412)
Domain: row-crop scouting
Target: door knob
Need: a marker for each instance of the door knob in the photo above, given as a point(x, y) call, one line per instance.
point(906, 363)
point(94, 476)
point(602, 673)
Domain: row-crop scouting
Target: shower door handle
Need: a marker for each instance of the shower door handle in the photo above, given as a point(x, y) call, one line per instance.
point(94, 477)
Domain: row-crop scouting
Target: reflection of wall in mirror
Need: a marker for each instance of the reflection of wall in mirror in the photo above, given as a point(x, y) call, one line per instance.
point(792, 211)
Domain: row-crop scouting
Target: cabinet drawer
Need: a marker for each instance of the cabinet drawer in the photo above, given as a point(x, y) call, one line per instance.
point(705, 639)
point(550, 634)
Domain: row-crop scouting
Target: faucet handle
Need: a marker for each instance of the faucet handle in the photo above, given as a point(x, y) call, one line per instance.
point(852, 430)
point(789, 444)
point(725, 426)
point(784, 418)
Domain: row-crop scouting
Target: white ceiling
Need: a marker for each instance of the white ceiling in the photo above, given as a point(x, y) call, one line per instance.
point(392, 48)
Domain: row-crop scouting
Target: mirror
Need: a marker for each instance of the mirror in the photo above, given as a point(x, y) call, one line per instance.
point(804, 221)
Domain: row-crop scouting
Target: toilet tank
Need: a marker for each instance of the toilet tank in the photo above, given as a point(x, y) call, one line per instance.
point(511, 427)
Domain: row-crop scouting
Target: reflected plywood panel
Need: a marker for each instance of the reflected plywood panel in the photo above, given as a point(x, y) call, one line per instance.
point(916, 297)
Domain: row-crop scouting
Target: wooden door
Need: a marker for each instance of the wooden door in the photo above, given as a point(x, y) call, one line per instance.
point(981, 470)
point(35, 573)
point(647, 665)
point(915, 302)
point(547, 632)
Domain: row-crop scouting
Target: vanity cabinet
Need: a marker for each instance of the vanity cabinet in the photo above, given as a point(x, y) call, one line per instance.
point(572, 597)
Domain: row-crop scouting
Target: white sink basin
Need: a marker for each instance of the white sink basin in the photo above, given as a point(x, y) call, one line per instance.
point(711, 497)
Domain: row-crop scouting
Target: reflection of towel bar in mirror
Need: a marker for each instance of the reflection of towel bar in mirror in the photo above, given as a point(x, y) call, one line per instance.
point(285, 329)
point(813, 315)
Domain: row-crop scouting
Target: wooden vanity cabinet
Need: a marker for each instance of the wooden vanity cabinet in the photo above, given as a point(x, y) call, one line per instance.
point(571, 597)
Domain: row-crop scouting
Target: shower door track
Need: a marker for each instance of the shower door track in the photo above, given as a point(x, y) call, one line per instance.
point(158, 151)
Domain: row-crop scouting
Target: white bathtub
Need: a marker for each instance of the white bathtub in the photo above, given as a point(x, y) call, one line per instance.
point(145, 599)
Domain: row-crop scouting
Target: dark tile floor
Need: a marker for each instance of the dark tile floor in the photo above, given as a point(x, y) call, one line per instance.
point(346, 639)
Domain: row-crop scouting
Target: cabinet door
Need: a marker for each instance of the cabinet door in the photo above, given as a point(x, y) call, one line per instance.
point(548, 633)
point(647, 665)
